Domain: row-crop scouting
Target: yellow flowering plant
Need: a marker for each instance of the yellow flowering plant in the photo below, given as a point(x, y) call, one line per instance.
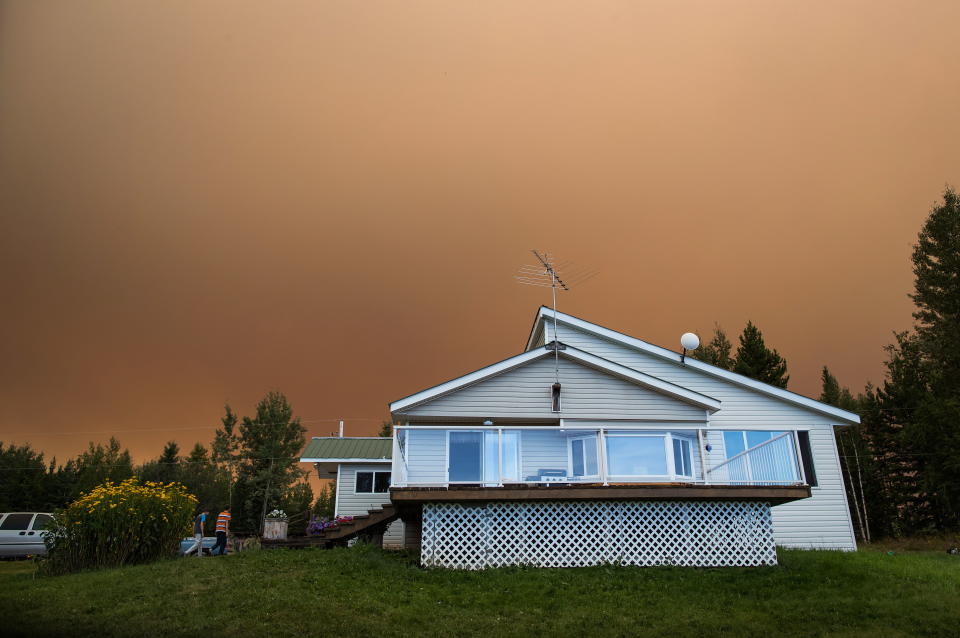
point(119, 524)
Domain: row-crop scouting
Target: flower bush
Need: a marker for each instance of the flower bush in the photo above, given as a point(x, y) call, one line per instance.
point(279, 515)
point(119, 524)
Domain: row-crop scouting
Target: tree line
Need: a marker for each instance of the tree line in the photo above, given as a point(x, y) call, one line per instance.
point(901, 464)
point(252, 464)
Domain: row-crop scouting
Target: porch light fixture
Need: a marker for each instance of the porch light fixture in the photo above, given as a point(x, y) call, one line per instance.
point(488, 422)
point(556, 397)
point(688, 341)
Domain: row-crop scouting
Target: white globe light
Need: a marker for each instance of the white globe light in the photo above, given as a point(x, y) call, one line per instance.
point(690, 341)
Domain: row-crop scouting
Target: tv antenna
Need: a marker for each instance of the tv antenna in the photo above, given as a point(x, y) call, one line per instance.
point(547, 273)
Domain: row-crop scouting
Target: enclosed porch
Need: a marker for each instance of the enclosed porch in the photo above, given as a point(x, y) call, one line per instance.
point(431, 456)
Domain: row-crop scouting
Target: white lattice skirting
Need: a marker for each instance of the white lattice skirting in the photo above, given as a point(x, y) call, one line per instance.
point(581, 533)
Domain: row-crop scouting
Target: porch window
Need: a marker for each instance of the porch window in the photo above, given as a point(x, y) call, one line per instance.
point(583, 456)
point(475, 457)
point(682, 465)
point(637, 455)
point(372, 483)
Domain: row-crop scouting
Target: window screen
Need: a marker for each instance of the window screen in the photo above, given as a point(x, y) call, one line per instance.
point(806, 457)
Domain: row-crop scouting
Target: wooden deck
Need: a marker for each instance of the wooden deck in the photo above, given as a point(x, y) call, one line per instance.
point(773, 494)
point(373, 524)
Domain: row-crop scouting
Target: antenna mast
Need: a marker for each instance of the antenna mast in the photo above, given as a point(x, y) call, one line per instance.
point(547, 274)
point(555, 281)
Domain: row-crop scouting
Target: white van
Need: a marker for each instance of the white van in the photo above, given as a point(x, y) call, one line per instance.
point(21, 533)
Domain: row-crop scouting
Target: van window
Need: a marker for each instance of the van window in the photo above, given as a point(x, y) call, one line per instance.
point(16, 521)
point(41, 521)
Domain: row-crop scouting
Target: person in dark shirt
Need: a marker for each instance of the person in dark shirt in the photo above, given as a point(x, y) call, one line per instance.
point(198, 534)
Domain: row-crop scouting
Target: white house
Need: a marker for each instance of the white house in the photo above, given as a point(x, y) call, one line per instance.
point(361, 469)
point(592, 447)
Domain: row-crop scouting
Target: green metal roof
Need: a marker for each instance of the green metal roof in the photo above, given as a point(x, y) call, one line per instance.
point(348, 447)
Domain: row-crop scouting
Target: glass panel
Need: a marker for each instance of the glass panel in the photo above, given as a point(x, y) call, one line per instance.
point(733, 443)
point(681, 457)
point(773, 462)
point(491, 456)
point(636, 456)
point(382, 482)
point(16, 521)
point(756, 438)
point(41, 521)
point(364, 482)
point(466, 457)
point(583, 456)
point(511, 456)
point(590, 456)
point(577, 455)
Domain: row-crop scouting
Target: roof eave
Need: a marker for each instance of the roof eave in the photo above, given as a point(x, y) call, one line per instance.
point(848, 418)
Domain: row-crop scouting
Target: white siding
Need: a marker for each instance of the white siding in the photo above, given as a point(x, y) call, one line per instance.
point(541, 450)
point(525, 392)
point(820, 521)
point(426, 456)
point(349, 503)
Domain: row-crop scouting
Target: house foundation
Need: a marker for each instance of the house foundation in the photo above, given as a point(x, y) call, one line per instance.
point(586, 532)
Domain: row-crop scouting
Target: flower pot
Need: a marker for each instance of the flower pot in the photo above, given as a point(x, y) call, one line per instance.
point(275, 529)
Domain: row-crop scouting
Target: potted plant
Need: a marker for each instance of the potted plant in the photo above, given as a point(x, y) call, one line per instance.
point(275, 525)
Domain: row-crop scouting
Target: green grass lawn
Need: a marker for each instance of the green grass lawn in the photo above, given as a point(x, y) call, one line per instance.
point(366, 592)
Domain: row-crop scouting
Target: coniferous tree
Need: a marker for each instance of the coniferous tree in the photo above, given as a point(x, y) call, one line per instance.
point(166, 468)
point(386, 429)
point(23, 475)
point(267, 455)
point(717, 351)
point(932, 431)
point(758, 362)
point(323, 507)
point(209, 483)
point(100, 463)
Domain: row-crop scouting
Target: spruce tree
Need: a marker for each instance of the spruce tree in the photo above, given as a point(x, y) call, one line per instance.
point(717, 352)
point(932, 433)
point(267, 451)
point(758, 362)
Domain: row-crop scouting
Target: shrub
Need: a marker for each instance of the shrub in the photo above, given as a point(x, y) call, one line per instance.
point(119, 524)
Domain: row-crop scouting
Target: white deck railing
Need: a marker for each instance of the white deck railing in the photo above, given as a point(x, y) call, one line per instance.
point(772, 462)
point(441, 456)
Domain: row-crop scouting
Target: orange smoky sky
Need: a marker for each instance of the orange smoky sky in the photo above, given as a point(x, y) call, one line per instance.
point(206, 200)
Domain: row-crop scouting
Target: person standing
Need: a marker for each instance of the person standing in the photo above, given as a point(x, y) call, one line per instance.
point(223, 528)
point(198, 534)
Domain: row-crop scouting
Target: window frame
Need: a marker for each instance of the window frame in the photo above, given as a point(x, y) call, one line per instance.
point(570, 468)
point(373, 481)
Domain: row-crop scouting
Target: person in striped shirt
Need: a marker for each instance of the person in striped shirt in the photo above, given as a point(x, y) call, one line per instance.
point(223, 528)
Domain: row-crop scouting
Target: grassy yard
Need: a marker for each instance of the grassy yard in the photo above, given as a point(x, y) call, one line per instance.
point(366, 592)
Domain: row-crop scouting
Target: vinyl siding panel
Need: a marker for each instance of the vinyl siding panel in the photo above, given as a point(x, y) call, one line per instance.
point(525, 392)
point(541, 450)
point(427, 456)
point(349, 503)
point(820, 521)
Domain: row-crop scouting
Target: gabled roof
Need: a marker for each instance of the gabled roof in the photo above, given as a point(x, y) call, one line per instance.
point(327, 449)
point(545, 313)
point(628, 374)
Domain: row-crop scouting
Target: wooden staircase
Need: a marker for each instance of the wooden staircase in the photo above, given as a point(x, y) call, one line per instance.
point(372, 524)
